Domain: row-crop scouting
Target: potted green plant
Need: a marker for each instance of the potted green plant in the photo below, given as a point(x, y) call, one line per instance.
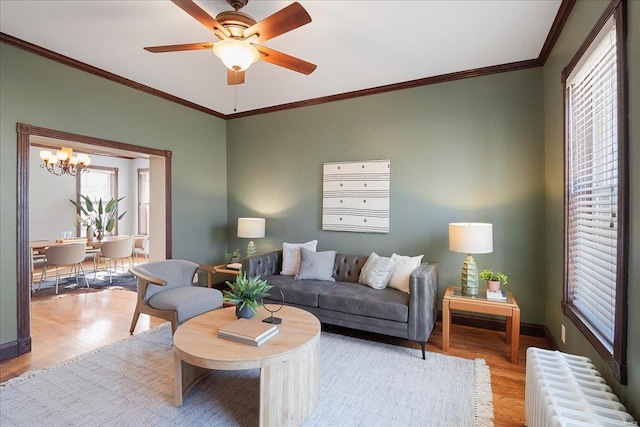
point(494, 279)
point(234, 256)
point(102, 216)
point(246, 294)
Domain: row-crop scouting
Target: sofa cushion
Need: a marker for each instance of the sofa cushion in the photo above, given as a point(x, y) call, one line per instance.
point(359, 299)
point(291, 256)
point(403, 266)
point(299, 292)
point(316, 265)
point(376, 271)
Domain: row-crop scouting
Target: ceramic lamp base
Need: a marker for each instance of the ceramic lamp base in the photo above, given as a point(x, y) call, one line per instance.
point(469, 278)
point(251, 248)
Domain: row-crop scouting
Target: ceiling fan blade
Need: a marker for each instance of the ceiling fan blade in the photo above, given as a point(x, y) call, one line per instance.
point(235, 77)
point(179, 47)
point(287, 19)
point(283, 60)
point(203, 17)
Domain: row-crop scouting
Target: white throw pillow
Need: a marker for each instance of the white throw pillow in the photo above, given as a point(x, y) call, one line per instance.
point(376, 272)
point(291, 256)
point(403, 266)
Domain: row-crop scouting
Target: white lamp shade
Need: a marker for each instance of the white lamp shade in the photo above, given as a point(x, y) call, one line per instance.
point(235, 54)
point(471, 237)
point(251, 228)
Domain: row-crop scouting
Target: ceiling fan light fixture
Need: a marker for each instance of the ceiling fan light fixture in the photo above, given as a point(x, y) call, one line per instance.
point(235, 54)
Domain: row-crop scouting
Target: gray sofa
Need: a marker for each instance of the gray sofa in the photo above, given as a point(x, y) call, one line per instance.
point(348, 303)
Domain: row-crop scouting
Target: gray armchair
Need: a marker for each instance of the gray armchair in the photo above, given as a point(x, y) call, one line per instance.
point(165, 290)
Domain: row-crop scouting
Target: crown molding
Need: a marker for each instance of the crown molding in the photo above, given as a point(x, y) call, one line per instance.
point(552, 37)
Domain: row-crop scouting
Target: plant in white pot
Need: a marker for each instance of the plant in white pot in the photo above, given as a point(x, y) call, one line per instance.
point(494, 279)
point(246, 294)
point(102, 216)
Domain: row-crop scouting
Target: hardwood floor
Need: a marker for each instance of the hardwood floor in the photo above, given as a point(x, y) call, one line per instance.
point(66, 326)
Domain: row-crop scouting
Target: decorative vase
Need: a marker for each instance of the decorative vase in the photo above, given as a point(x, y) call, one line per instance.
point(99, 236)
point(245, 313)
point(90, 234)
point(493, 285)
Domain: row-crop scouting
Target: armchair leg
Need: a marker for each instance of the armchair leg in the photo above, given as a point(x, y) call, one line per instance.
point(134, 321)
point(174, 323)
point(423, 345)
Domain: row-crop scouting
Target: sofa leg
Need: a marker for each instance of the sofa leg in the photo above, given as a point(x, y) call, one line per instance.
point(422, 345)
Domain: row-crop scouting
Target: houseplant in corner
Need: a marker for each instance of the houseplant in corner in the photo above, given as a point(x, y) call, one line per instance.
point(494, 279)
point(102, 215)
point(246, 293)
point(234, 256)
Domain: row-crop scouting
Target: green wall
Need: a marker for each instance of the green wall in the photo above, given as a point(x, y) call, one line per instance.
point(470, 150)
point(482, 149)
point(44, 93)
point(580, 23)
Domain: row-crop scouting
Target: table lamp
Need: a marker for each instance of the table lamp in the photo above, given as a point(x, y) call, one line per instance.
point(470, 237)
point(251, 228)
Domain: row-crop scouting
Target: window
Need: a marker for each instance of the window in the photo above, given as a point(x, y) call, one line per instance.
point(143, 201)
point(596, 191)
point(98, 183)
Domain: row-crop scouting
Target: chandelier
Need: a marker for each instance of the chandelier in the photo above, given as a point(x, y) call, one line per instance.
point(64, 162)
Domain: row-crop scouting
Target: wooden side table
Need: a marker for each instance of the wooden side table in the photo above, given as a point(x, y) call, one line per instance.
point(223, 269)
point(453, 300)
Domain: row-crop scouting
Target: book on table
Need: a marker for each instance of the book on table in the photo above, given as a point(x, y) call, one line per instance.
point(498, 295)
point(249, 331)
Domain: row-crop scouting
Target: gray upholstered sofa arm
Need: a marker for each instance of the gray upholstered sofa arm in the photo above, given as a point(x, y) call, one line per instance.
point(263, 265)
point(423, 306)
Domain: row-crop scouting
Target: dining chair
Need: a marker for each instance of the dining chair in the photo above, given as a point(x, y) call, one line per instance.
point(38, 255)
point(72, 254)
point(141, 246)
point(114, 250)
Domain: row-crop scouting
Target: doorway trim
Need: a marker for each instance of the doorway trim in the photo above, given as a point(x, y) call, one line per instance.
point(25, 132)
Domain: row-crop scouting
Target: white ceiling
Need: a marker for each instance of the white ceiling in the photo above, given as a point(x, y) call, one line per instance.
point(356, 44)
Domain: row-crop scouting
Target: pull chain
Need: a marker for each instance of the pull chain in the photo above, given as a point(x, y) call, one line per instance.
point(235, 94)
point(235, 98)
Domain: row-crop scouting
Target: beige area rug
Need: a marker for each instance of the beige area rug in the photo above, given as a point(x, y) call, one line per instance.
point(362, 383)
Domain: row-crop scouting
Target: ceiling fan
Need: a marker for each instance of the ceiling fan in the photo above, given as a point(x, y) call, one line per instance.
point(241, 37)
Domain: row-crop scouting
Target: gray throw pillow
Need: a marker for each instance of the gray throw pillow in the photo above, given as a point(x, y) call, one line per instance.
point(316, 265)
point(377, 271)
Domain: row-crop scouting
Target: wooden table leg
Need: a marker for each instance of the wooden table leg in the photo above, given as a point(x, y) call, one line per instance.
point(289, 391)
point(185, 377)
point(515, 336)
point(177, 381)
point(446, 324)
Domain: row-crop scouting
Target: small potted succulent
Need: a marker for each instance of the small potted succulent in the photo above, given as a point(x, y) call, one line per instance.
point(246, 294)
point(494, 279)
point(234, 256)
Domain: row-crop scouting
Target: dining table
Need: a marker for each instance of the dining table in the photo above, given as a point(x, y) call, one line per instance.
point(37, 248)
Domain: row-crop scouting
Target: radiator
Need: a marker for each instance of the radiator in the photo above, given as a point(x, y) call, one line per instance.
point(564, 390)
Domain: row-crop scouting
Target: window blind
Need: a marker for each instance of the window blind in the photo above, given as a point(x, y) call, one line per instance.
point(143, 201)
point(592, 174)
point(143, 186)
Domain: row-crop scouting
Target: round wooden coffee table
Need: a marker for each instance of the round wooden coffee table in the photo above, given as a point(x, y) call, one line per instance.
point(288, 362)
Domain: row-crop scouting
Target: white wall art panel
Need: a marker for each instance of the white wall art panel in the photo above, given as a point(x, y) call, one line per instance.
point(355, 196)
